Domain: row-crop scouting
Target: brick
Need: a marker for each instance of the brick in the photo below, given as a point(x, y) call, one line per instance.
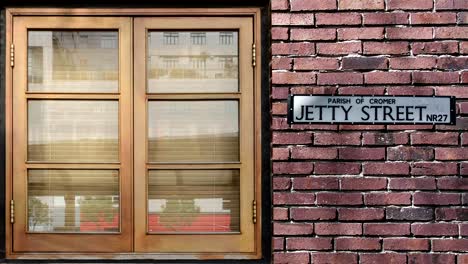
point(338, 19)
point(409, 213)
point(292, 138)
point(451, 153)
point(387, 229)
point(460, 258)
point(278, 108)
point(409, 5)
point(464, 47)
point(428, 198)
point(461, 124)
point(451, 32)
point(450, 244)
point(364, 63)
point(463, 229)
point(313, 34)
point(435, 47)
point(292, 229)
point(315, 183)
point(339, 78)
point(338, 228)
point(434, 229)
point(360, 183)
point(328, 258)
point(339, 198)
point(430, 258)
point(388, 168)
point(292, 167)
point(383, 258)
point(462, 18)
point(361, 127)
point(360, 214)
point(279, 124)
point(450, 4)
point(278, 243)
point(337, 168)
point(384, 139)
point(387, 198)
point(410, 153)
point(293, 198)
point(409, 33)
point(279, 33)
point(307, 243)
point(312, 214)
point(327, 90)
point(293, 78)
point(433, 18)
point(388, 78)
point(452, 183)
point(291, 258)
point(283, 19)
point(385, 18)
point(464, 168)
point(405, 244)
point(362, 153)
point(360, 33)
point(279, 5)
point(452, 63)
point(463, 109)
point(413, 63)
point(298, 49)
point(464, 77)
point(314, 153)
point(434, 168)
point(361, 4)
point(316, 64)
point(337, 139)
point(353, 243)
point(447, 214)
point(361, 90)
point(281, 63)
point(340, 48)
point(306, 5)
point(280, 213)
point(410, 127)
point(428, 138)
point(435, 77)
point(412, 90)
point(281, 183)
point(461, 92)
point(280, 154)
point(412, 184)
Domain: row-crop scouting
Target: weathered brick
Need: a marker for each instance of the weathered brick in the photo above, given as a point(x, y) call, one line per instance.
point(430, 258)
point(462, 18)
point(293, 78)
point(354, 243)
point(412, 63)
point(315, 183)
point(384, 139)
point(312, 214)
point(293, 167)
point(361, 4)
point(339, 198)
point(364, 63)
point(338, 228)
point(279, 33)
point(428, 198)
point(308, 243)
point(460, 258)
point(409, 5)
point(385, 18)
point(447, 214)
point(284, 19)
point(278, 243)
point(279, 93)
point(361, 153)
point(291, 258)
point(360, 183)
point(388, 78)
point(435, 77)
point(337, 138)
point(340, 48)
point(360, 33)
point(434, 168)
point(451, 33)
point(337, 168)
point(387, 229)
point(434, 229)
point(450, 244)
point(281, 63)
point(387, 198)
point(409, 213)
point(412, 184)
point(411, 90)
point(292, 229)
point(299, 49)
point(361, 90)
point(452, 63)
point(281, 183)
point(280, 154)
point(451, 153)
point(316, 64)
point(360, 214)
point(452, 183)
point(279, 5)
point(305, 5)
point(339, 78)
point(293, 198)
point(433, 18)
point(409, 33)
point(405, 244)
point(450, 4)
point(292, 138)
point(338, 19)
point(461, 92)
point(278, 108)
point(280, 213)
point(381, 258)
point(435, 47)
point(313, 153)
point(410, 153)
point(328, 258)
point(310, 34)
point(427, 138)
point(387, 168)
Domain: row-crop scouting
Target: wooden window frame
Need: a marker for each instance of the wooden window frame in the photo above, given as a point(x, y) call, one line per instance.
point(238, 252)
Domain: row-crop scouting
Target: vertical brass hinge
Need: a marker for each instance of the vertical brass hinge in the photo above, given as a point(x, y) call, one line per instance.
point(12, 55)
point(254, 55)
point(12, 211)
point(254, 211)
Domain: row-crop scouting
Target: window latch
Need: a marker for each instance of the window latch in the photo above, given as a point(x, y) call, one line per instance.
point(12, 55)
point(254, 55)
point(12, 211)
point(254, 211)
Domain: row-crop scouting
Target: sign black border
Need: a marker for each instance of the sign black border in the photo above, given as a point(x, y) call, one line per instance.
point(452, 121)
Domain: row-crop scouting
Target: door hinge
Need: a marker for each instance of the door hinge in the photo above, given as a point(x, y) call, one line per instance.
point(12, 55)
point(254, 211)
point(254, 55)
point(12, 211)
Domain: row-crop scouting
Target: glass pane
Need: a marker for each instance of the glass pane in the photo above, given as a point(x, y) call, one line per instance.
point(184, 201)
point(193, 131)
point(73, 131)
point(73, 61)
point(73, 201)
point(179, 62)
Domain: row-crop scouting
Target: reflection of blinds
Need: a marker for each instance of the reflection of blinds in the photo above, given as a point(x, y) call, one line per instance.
point(73, 131)
point(73, 200)
point(194, 201)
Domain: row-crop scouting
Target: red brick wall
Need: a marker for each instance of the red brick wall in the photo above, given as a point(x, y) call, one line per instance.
point(370, 194)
